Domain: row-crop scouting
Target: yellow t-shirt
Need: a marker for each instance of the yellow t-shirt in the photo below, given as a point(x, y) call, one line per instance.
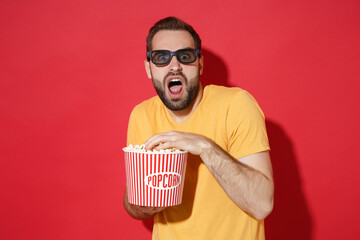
point(232, 118)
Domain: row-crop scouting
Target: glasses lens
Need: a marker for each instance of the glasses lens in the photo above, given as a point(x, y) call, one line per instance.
point(186, 55)
point(161, 57)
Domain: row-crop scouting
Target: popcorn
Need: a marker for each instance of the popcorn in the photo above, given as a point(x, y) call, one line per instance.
point(141, 148)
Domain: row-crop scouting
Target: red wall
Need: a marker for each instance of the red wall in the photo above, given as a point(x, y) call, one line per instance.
point(71, 71)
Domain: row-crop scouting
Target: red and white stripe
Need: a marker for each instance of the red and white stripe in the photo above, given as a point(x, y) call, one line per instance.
point(141, 165)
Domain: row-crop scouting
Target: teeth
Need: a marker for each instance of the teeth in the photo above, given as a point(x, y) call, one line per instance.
point(175, 80)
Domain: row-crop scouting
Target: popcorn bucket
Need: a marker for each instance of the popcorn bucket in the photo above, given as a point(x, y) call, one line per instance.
point(155, 179)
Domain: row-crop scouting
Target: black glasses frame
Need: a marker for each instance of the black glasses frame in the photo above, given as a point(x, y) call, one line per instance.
point(149, 55)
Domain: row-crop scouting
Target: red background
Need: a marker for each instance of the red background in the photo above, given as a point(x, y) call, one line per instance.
point(71, 71)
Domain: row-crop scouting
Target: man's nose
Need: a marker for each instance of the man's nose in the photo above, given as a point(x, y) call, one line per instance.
point(175, 65)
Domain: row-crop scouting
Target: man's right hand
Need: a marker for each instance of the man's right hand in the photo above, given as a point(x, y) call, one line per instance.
point(140, 212)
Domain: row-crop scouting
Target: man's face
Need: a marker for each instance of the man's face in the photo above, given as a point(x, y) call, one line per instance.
point(176, 84)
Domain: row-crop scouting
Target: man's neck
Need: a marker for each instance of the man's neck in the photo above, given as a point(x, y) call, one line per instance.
point(182, 115)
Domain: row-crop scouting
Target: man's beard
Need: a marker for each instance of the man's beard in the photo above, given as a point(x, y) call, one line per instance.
point(178, 104)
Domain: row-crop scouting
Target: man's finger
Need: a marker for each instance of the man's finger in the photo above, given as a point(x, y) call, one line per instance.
point(157, 140)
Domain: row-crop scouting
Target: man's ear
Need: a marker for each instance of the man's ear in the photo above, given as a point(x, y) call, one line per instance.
point(147, 69)
point(201, 64)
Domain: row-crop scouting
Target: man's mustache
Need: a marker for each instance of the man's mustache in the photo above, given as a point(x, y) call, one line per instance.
point(176, 74)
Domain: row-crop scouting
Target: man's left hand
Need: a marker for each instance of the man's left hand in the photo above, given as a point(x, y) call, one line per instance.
point(190, 142)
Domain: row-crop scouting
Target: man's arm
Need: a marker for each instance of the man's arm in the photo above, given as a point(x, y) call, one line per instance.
point(140, 212)
point(247, 181)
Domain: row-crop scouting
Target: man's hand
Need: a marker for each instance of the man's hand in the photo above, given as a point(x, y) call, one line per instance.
point(140, 212)
point(148, 210)
point(192, 143)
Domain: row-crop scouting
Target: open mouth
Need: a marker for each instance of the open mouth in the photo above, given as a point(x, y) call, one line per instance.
point(175, 87)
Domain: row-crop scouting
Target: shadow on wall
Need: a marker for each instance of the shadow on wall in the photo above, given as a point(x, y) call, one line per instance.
point(290, 217)
point(215, 71)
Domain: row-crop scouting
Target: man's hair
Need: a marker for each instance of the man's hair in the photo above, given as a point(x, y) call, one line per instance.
point(171, 23)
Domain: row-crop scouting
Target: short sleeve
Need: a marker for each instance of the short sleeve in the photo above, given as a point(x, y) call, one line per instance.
point(245, 126)
point(133, 133)
point(130, 131)
point(141, 125)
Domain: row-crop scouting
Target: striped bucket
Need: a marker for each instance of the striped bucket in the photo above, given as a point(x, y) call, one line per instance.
point(155, 179)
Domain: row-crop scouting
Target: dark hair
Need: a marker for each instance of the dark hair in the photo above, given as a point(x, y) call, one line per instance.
point(171, 23)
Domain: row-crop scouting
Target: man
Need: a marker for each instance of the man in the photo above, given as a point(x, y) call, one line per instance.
point(228, 188)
